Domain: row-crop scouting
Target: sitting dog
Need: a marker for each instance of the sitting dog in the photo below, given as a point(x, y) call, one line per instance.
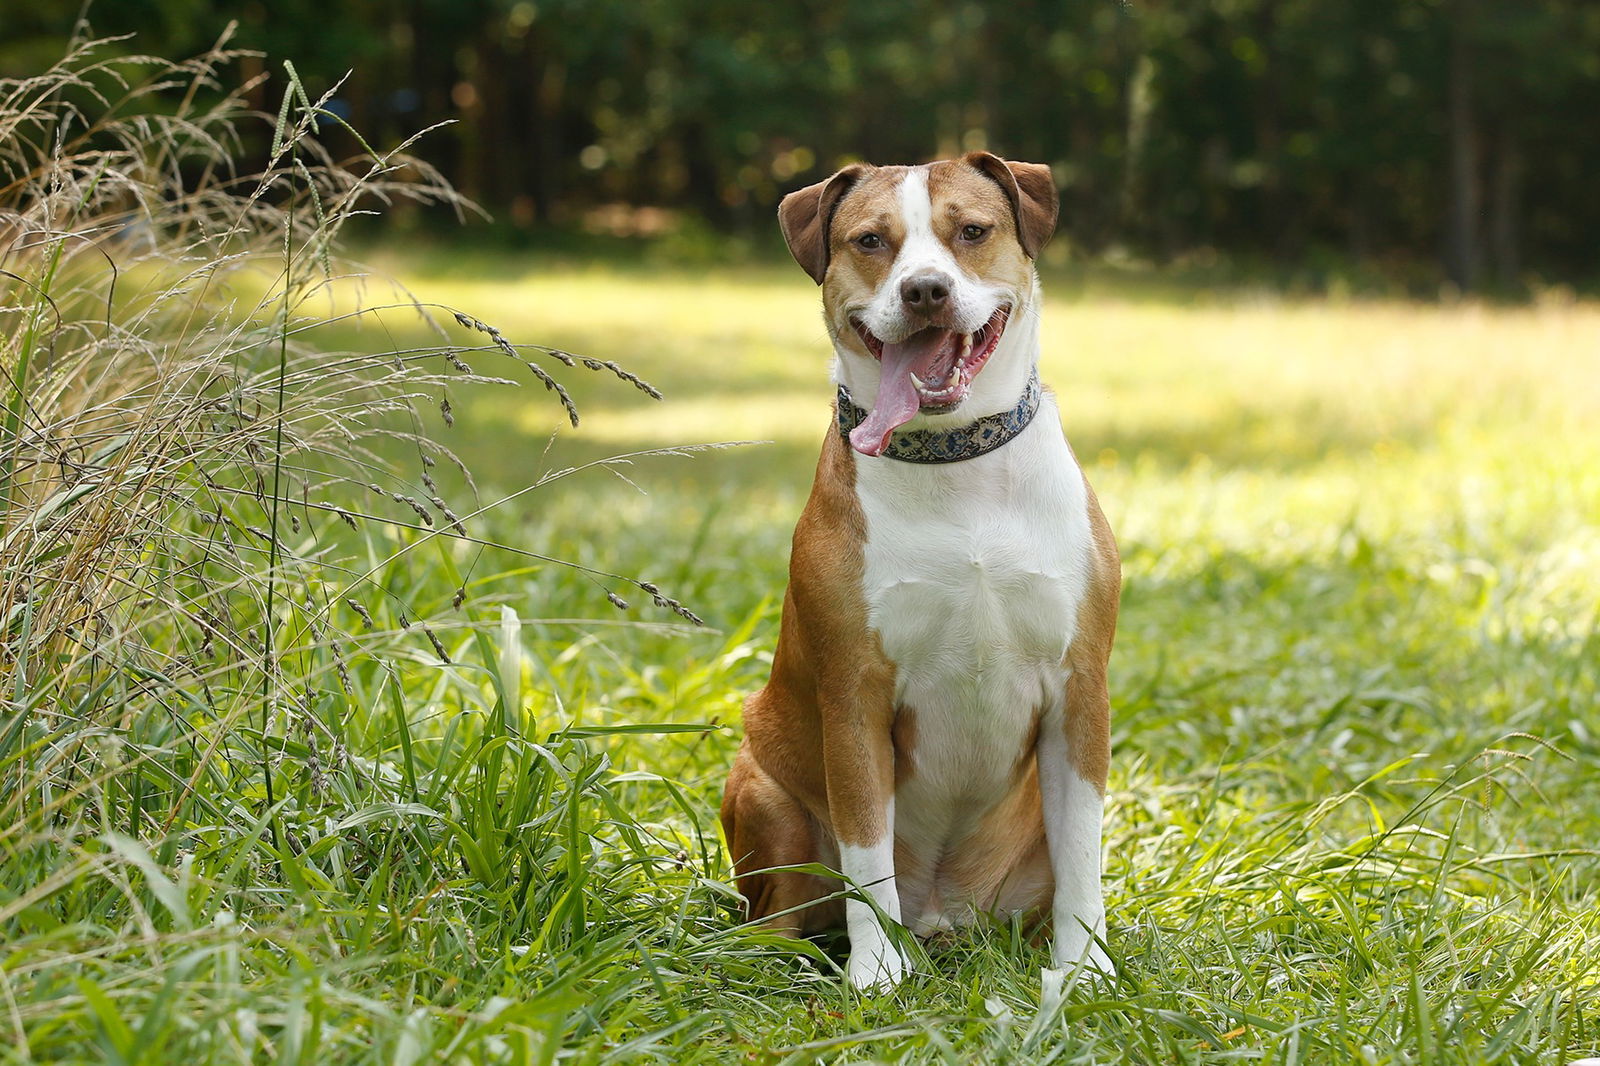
point(936, 723)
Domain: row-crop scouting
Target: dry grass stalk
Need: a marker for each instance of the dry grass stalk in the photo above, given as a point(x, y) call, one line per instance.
point(179, 451)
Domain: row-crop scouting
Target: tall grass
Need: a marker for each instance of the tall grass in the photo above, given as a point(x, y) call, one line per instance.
point(247, 734)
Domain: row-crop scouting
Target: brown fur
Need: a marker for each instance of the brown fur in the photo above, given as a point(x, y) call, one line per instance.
point(1088, 705)
point(806, 216)
point(989, 861)
point(1031, 192)
point(819, 731)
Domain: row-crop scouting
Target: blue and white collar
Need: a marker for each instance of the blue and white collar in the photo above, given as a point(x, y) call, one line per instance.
point(949, 445)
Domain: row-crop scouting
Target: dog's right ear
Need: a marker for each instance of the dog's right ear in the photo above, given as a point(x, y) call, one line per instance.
point(1032, 192)
point(806, 215)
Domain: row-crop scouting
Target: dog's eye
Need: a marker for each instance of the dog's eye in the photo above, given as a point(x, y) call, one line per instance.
point(973, 232)
point(870, 241)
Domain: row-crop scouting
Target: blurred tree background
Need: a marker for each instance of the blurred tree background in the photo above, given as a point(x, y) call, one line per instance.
point(1430, 139)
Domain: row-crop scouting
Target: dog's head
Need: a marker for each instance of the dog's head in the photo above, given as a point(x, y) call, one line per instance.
point(923, 269)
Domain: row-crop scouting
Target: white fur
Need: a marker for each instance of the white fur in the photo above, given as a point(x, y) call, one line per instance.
point(1073, 810)
point(974, 573)
point(874, 960)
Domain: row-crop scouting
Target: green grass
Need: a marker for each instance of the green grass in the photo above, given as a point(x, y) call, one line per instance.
point(1352, 814)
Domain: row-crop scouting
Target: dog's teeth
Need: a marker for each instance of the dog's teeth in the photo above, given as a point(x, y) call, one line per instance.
point(918, 382)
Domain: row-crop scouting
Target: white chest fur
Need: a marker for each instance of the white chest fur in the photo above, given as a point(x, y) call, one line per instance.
point(974, 573)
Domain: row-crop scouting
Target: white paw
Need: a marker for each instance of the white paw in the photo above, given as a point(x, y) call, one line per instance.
point(1076, 952)
point(875, 965)
point(1055, 983)
point(1098, 962)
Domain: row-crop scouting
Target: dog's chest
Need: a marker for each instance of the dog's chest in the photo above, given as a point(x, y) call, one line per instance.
point(973, 576)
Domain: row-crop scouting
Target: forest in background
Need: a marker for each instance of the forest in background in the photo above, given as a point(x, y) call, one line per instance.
point(1430, 139)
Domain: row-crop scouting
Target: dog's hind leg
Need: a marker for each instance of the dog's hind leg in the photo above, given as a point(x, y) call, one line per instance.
point(766, 827)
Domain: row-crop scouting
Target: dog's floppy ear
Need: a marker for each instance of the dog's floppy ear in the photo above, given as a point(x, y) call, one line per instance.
point(806, 214)
point(1032, 192)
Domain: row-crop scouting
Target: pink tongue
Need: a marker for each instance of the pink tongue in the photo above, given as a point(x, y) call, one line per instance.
point(897, 401)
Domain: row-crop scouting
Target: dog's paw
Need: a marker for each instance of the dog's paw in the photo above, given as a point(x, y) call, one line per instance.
point(1099, 963)
point(876, 965)
point(1056, 982)
point(1078, 954)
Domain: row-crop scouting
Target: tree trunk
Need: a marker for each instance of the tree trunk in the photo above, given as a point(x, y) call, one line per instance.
point(1273, 217)
point(1461, 233)
point(549, 152)
point(1141, 102)
point(1358, 226)
point(705, 178)
point(1505, 236)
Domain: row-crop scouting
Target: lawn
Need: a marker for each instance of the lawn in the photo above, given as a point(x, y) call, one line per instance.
point(1356, 717)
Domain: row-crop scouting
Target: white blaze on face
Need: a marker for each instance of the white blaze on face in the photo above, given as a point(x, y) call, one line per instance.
point(921, 251)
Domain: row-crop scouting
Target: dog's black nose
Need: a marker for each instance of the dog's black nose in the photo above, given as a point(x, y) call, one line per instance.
point(925, 293)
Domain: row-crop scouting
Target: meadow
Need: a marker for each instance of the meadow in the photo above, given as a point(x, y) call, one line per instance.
point(320, 748)
point(1351, 816)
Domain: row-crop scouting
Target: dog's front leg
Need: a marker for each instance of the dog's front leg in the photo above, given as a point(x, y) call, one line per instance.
point(858, 758)
point(1072, 752)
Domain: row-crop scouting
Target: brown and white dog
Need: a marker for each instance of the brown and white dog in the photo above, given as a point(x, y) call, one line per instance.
point(935, 726)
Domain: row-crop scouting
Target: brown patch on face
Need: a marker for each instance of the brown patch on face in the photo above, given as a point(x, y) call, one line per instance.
point(1031, 192)
point(805, 214)
point(964, 196)
point(855, 273)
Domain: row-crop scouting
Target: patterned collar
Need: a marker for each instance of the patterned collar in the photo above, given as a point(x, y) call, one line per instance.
point(949, 445)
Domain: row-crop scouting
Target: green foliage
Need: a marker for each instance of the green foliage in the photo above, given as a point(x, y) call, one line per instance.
point(1380, 132)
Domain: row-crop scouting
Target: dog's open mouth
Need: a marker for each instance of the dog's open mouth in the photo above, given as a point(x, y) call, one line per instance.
point(931, 371)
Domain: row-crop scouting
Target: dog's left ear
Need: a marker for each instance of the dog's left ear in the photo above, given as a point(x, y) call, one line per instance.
point(1032, 192)
point(806, 215)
